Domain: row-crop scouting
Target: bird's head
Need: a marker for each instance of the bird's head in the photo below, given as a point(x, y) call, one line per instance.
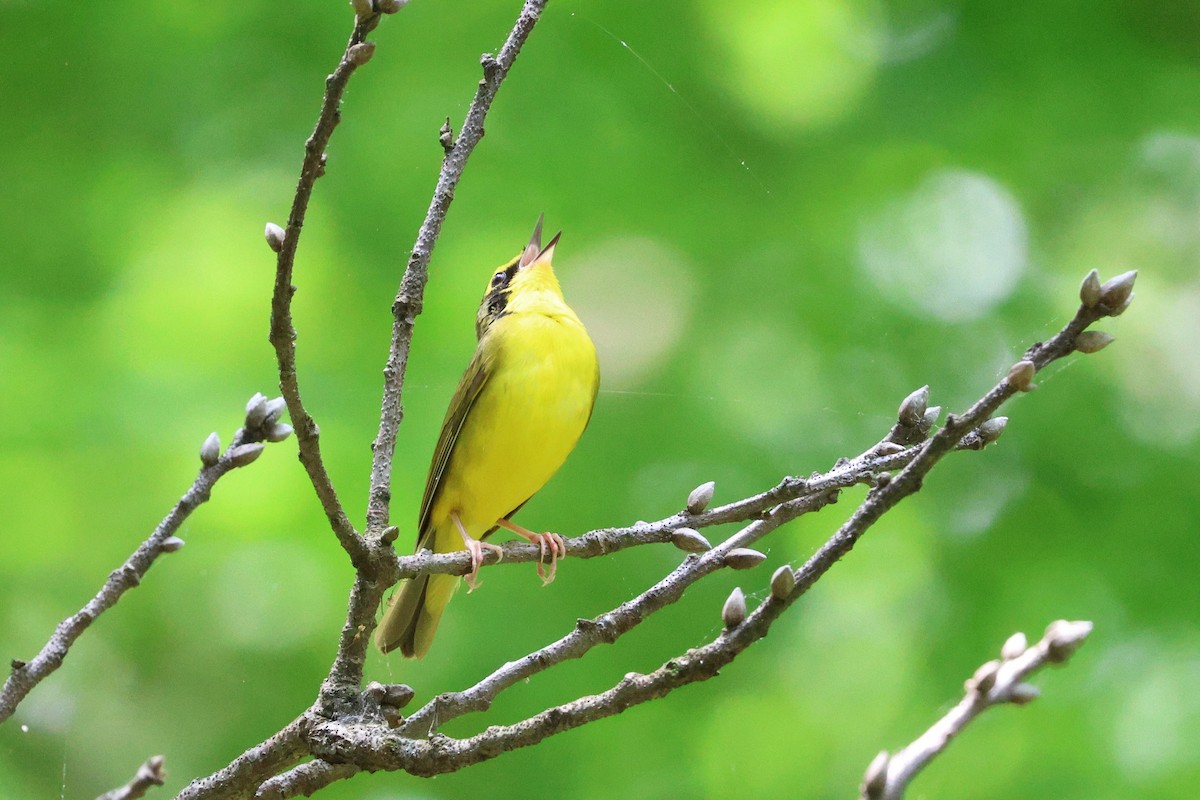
point(525, 284)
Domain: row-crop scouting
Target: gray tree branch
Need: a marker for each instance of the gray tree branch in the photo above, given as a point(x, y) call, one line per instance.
point(245, 448)
point(284, 242)
point(149, 775)
point(996, 682)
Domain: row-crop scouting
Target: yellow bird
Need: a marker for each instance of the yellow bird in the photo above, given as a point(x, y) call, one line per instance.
point(519, 409)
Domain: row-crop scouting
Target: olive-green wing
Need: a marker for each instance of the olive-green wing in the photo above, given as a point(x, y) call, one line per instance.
point(472, 383)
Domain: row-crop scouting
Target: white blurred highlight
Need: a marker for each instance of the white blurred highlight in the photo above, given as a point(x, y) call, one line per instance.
point(954, 247)
point(635, 296)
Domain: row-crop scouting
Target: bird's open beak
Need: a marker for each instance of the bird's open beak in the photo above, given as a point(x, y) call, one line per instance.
point(534, 248)
point(534, 253)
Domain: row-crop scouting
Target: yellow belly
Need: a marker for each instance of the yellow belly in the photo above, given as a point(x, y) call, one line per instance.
point(526, 420)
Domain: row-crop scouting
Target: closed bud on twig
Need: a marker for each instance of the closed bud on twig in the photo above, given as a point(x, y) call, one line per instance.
point(1014, 646)
point(1115, 292)
point(1119, 310)
point(1020, 377)
point(171, 544)
point(991, 429)
point(733, 613)
point(890, 448)
point(690, 541)
point(275, 410)
point(883, 479)
point(1093, 341)
point(390, 6)
point(391, 716)
point(914, 406)
point(362, 8)
point(1089, 290)
point(1023, 693)
point(700, 497)
point(744, 558)
point(931, 416)
point(256, 410)
point(245, 454)
point(210, 451)
point(278, 432)
point(782, 582)
point(274, 235)
point(360, 53)
point(984, 678)
point(446, 136)
point(875, 778)
point(396, 695)
point(1064, 638)
point(389, 535)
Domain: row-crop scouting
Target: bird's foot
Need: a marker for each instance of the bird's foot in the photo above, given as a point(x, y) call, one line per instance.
point(545, 541)
point(475, 548)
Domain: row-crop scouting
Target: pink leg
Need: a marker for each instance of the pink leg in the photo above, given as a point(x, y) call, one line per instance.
point(475, 548)
point(558, 547)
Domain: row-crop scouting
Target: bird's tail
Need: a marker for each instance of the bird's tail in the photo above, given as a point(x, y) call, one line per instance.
point(415, 610)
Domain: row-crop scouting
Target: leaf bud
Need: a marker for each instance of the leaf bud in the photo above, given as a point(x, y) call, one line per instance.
point(396, 695)
point(914, 406)
point(210, 451)
point(1093, 341)
point(700, 497)
point(1064, 638)
point(274, 235)
point(782, 582)
point(245, 454)
point(733, 613)
point(931, 416)
point(875, 778)
point(274, 410)
point(984, 678)
point(744, 558)
point(390, 6)
point(991, 429)
point(1020, 377)
point(278, 432)
point(1089, 290)
point(256, 410)
point(1023, 693)
point(171, 544)
point(1115, 292)
point(1015, 645)
point(690, 541)
point(360, 53)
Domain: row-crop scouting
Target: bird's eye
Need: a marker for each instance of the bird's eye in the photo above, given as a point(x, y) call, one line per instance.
point(499, 279)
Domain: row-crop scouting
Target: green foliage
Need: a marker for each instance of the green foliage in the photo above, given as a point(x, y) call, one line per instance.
point(779, 218)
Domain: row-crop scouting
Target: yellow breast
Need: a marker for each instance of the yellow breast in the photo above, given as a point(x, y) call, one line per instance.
point(541, 385)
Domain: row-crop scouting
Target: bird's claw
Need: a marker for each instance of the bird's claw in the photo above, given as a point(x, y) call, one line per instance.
point(476, 548)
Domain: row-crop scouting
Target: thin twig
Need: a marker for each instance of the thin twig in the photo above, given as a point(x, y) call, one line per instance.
point(994, 683)
point(410, 297)
point(281, 751)
point(149, 775)
point(283, 332)
point(863, 469)
point(305, 780)
point(26, 675)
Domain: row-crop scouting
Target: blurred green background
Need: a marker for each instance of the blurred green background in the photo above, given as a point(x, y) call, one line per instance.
point(780, 218)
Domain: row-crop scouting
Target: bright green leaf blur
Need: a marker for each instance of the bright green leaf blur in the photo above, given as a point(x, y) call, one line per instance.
point(779, 218)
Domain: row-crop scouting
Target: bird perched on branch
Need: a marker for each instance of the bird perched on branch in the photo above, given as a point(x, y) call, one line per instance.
point(518, 411)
